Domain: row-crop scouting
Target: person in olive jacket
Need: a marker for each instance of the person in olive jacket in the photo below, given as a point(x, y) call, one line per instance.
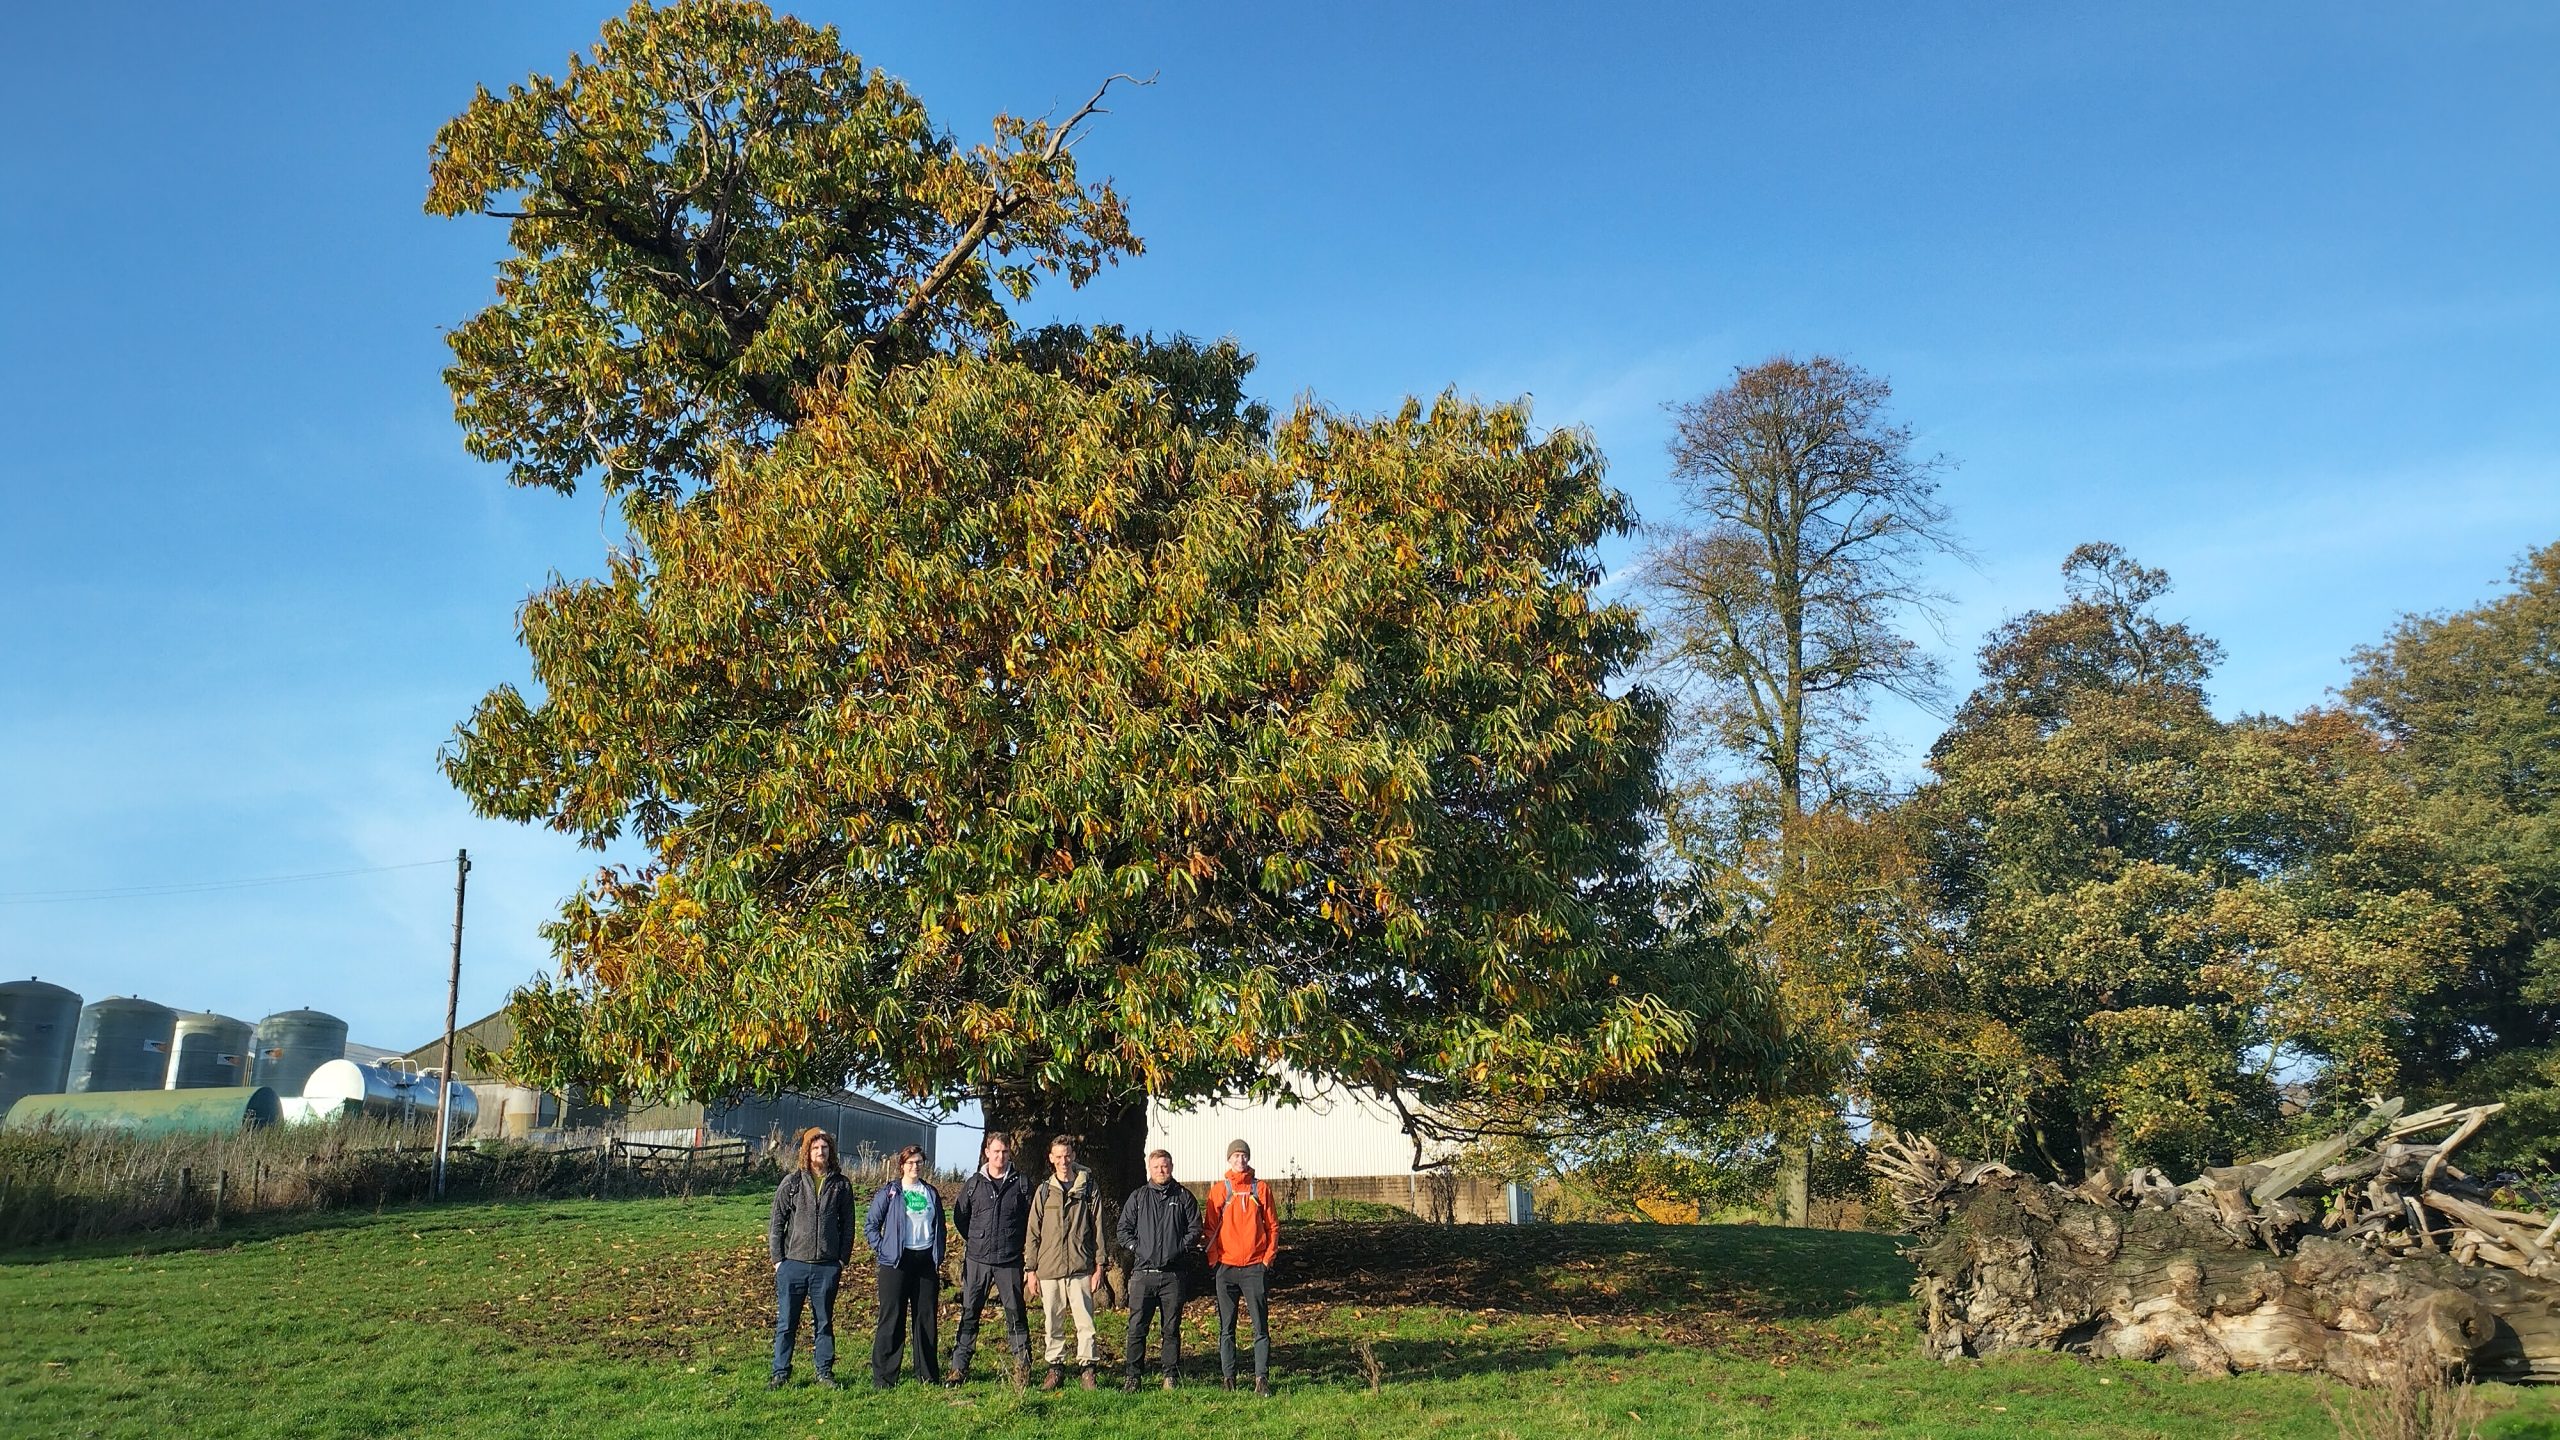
point(1064, 1246)
point(991, 1213)
point(1160, 1225)
point(810, 1234)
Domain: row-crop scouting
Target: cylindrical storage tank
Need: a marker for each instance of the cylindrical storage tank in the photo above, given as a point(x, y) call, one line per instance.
point(401, 1097)
point(293, 1043)
point(37, 1024)
point(123, 1044)
point(209, 1052)
point(462, 1107)
point(152, 1112)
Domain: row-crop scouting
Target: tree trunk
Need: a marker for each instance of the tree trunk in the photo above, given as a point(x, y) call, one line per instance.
point(1795, 1180)
point(1111, 1141)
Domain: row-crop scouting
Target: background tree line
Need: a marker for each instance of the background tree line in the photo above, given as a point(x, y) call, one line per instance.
point(2106, 927)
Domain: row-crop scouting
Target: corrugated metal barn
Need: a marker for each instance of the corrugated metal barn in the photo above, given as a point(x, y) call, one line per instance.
point(859, 1122)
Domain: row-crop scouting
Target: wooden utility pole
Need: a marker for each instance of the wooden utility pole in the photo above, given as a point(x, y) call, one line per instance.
point(452, 999)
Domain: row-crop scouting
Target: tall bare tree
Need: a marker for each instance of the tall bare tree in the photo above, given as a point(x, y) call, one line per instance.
point(1782, 599)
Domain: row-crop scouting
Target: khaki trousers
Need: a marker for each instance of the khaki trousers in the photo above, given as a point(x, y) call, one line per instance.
point(1058, 1299)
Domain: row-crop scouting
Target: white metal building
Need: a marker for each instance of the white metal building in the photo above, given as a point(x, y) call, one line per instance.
point(1333, 1133)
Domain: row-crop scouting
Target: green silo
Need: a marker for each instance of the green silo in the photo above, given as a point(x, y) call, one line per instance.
point(209, 1052)
point(37, 1024)
point(123, 1044)
point(291, 1044)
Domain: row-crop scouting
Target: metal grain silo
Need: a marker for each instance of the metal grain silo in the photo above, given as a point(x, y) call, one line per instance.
point(37, 1023)
point(123, 1044)
point(291, 1044)
point(209, 1052)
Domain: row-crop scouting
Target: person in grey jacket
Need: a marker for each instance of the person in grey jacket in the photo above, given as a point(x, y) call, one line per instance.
point(1160, 1225)
point(809, 1235)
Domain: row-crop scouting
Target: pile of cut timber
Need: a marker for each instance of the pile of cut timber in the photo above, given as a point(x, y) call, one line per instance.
point(2367, 1251)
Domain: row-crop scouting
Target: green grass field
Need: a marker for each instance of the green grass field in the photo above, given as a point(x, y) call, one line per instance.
point(650, 1318)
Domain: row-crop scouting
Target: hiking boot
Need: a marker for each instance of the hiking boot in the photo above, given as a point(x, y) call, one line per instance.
point(1226, 1382)
point(829, 1382)
point(776, 1382)
point(1057, 1376)
point(955, 1379)
point(1129, 1385)
point(1261, 1384)
point(1089, 1382)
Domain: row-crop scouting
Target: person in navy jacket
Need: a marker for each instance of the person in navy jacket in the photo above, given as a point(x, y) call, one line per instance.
point(905, 1228)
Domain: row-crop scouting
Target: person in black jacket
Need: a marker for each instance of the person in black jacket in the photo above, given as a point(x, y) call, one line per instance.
point(1160, 1226)
point(810, 1235)
point(993, 1209)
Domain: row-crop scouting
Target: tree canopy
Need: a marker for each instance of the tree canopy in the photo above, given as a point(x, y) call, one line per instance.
point(710, 212)
point(2155, 917)
point(2467, 707)
point(1782, 607)
point(1002, 730)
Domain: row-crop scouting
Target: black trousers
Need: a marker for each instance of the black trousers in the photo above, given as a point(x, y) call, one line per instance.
point(909, 1294)
point(975, 1281)
point(1251, 1284)
point(1150, 1292)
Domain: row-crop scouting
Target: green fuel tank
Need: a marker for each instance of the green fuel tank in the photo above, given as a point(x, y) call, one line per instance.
point(151, 1112)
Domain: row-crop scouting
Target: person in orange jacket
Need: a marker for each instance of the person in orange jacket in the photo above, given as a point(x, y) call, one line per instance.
point(1243, 1232)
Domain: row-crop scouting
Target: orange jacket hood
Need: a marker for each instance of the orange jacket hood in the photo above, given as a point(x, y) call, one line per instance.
point(1238, 1220)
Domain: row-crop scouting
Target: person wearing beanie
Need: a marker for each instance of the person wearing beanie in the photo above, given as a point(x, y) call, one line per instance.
point(1243, 1233)
point(809, 1236)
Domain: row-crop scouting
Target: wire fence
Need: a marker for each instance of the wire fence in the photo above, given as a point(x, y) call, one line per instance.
point(77, 1183)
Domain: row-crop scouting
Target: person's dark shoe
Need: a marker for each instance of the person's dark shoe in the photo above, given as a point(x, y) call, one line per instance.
point(1056, 1377)
point(827, 1381)
point(1129, 1385)
point(1261, 1384)
point(776, 1382)
point(884, 1384)
point(1226, 1382)
point(955, 1379)
point(1089, 1382)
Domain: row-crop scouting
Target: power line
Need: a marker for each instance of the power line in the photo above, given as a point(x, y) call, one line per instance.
point(195, 887)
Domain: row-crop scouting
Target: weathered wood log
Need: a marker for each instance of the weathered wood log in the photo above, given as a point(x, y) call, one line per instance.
point(2025, 1269)
point(2314, 1260)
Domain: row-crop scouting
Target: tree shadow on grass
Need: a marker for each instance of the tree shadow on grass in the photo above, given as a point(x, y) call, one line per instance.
point(1405, 1360)
point(1742, 1272)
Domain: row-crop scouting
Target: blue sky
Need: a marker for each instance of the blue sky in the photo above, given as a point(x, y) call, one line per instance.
point(2265, 293)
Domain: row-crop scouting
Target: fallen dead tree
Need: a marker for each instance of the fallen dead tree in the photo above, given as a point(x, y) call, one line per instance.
point(2368, 1251)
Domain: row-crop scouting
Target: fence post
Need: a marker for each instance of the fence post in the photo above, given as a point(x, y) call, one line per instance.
point(186, 1188)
